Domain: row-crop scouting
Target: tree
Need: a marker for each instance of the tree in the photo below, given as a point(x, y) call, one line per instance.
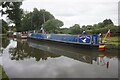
point(35, 20)
point(4, 26)
point(75, 29)
point(53, 25)
point(64, 31)
point(27, 22)
point(107, 22)
point(83, 26)
point(40, 17)
point(14, 12)
point(89, 27)
point(102, 27)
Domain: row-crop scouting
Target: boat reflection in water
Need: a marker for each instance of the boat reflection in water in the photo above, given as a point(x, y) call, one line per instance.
point(35, 59)
point(62, 52)
point(43, 51)
point(24, 51)
point(82, 55)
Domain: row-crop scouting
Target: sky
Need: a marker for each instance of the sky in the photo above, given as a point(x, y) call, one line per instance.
point(82, 12)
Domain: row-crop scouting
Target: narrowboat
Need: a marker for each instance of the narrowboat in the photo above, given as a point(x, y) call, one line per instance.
point(78, 41)
point(22, 35)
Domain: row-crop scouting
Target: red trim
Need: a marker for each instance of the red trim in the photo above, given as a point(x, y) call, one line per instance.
point(101, 49)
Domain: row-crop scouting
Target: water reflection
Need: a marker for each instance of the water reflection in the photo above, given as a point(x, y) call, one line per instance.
point(40, 51)
point(32, 59)
point(3, 44)
point(4, 41)
point(23, 51)
point(99, 58)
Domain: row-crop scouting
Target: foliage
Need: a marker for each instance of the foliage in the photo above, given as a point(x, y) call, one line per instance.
point(87, 27)
point(26, 22)
point(35, 20)
point(14, 12)
point(101, 27)
point(75, 29)
point(64, 31)
point(39, 17)
point(52, 26)
point(114, 40)
point(4, 26)
point(3, 75)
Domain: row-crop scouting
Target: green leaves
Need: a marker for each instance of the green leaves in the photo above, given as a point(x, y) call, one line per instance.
point(102, 27)
point(75, 29)
point(14, 12)
point(4, 26)
point(52, 26)
point(35, 20)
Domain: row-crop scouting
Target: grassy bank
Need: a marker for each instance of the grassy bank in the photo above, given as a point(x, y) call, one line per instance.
point(114, 40)
point(3, 75)
point(113, 43)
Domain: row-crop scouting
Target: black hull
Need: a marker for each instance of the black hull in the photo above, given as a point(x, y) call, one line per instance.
point(59, 43)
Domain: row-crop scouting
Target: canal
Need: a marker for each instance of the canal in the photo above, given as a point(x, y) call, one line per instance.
point(22, 58)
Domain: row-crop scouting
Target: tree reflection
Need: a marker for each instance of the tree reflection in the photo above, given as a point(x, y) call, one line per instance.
point(82, 55)
point(4, 42)
point(24, 51)
point(27, 50)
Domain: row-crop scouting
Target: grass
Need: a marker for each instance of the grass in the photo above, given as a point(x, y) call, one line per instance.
point(0, 71)
point(114, 40)
point(3, 75)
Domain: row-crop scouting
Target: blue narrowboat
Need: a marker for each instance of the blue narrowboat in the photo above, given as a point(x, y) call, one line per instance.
point(80, 41)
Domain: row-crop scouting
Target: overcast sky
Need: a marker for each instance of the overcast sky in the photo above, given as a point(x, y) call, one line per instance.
point(83, 12)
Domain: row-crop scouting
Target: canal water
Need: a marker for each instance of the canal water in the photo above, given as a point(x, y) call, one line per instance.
point(22, 58)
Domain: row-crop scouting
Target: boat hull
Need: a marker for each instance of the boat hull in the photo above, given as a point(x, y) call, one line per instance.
point(54, 42)
point(22, 36)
